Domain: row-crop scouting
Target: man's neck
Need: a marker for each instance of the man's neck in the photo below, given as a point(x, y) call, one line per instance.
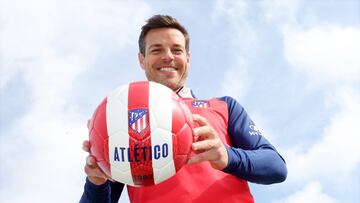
point(184, 92)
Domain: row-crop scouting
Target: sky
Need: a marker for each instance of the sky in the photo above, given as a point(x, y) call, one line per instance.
point(293, 64)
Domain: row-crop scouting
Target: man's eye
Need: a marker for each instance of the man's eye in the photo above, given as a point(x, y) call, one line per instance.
point(155, 51)
point(177, 51)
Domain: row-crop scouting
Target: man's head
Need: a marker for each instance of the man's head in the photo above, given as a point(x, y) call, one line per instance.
point(164, 51)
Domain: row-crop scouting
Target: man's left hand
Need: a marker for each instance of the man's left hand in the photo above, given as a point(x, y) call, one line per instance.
point(207, 145)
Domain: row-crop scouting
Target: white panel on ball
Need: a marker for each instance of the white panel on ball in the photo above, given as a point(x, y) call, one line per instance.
point(117, 125)
point(161, 111)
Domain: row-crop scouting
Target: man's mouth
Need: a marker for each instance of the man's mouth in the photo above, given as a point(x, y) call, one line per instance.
point(167, 69)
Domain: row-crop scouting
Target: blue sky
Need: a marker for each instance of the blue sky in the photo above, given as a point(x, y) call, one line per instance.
point(294, 65)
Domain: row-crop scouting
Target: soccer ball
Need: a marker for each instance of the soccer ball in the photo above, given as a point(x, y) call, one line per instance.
point(141, 134)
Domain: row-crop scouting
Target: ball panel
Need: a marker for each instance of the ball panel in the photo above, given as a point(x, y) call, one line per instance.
point(117, 126)
point(98, 137)
point(105, 164)
point(178, 117)
point(140, 156)
point(138, 95)
point(119, 159)
point(165, 172)
point(162, 153)
point(116, 115)
point(120, 94)
point(122, 175)
point(187, 113)
point(183, 140)
point(139, 129)
point(182, 132)
point(160, 104)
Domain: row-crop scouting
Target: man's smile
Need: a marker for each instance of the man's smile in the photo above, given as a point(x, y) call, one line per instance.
point(167, 69)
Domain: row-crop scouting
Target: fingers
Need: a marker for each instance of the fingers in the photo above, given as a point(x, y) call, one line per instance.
point(200, 120)
point(86, 146)
point(95, 175)
point(205, 156)
point(91, 168)
point(216, 156)
point(205, 145)
point(88, 123)
point(198, 158)
point(204, 132)
point(91, 161)
point(93, 171)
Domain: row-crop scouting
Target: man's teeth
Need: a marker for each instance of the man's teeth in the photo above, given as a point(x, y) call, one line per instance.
point(167, 69)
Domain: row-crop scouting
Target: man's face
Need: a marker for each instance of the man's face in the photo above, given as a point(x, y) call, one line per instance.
point(166, 60)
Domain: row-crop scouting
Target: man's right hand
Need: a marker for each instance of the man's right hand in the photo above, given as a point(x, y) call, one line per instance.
point(92, 170)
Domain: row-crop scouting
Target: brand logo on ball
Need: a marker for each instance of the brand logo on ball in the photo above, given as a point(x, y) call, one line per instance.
point(201, 104)
point(138, 119)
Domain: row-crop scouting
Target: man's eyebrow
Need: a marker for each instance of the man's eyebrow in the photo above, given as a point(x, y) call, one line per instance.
point(155, 45)
point(179, 45)
point(159, 46)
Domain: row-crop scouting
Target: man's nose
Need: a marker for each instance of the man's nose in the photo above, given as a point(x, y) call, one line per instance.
point(168, 55)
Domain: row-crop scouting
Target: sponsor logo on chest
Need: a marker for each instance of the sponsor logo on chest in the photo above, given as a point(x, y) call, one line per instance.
point(201, 104)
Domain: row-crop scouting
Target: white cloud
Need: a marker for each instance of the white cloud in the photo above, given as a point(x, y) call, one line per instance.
point(336, 155)
point(328, 57)
point(234, 9)
point(244, 42)
point(279, 11)
point(37, 29)
point(311, 193)
point(328, 54)
point(231, 84)
point(236, 13)
point(50, 44)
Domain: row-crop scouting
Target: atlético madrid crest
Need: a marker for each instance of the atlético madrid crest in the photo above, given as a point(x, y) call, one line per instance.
point(138, 119)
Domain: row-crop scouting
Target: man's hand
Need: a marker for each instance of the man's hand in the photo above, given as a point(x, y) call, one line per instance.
point(92, 170)
point(207, 145)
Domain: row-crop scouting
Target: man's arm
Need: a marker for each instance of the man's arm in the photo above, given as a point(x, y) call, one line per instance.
point(251, 156)
point(109, 192)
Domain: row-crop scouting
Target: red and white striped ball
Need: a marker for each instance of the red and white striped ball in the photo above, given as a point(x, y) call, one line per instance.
point(141, 134)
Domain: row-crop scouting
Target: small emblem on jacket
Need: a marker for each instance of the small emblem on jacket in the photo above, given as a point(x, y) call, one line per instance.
point(201, 104)
point(138, 119)
point(254, 130)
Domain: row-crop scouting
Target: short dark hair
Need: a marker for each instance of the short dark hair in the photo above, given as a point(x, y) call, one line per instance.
point(161, 21)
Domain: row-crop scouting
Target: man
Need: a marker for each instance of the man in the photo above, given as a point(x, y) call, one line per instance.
point(229, 150)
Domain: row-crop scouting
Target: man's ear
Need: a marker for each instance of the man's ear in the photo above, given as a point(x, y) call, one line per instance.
point(141, 58)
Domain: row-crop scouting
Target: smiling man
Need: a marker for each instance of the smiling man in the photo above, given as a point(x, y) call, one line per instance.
point(165, 59)
point(229, 148)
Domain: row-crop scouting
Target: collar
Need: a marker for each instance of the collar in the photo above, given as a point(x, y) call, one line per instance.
point(185, 92)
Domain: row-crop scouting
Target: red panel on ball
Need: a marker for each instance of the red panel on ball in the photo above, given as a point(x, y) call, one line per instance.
point(99, 138)
point(182, 131)
point(139, 135)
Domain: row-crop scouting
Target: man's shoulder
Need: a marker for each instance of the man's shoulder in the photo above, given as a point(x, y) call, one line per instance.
point(230, 101)
point(226, 98)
